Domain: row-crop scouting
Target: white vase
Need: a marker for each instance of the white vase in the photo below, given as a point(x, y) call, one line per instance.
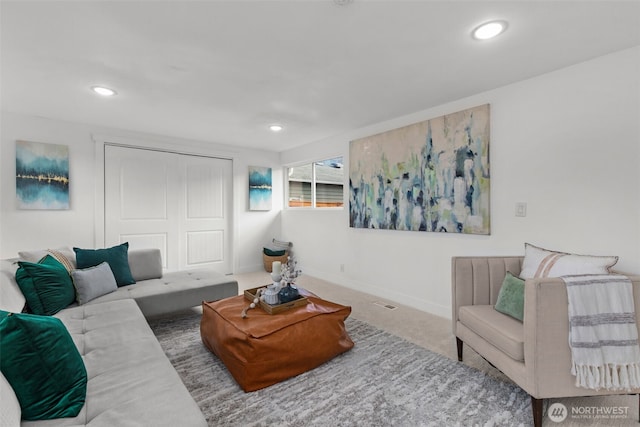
point(271, 295)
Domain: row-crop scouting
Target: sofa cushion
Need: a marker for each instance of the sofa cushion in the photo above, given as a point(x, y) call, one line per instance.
point(93, 282)
point(539, 262)
point(116, 256)
point(511, 297)
point(46, 285)
point(176, 290)
point(11, 297)
point(502, 331)
point(43, 366)
point(145, 264)
point(131, 381)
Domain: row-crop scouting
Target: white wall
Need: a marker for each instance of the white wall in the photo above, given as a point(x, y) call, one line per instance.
point(25, 230)
point(567, 143)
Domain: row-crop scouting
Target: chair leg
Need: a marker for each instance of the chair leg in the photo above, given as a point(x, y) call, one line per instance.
point(459, 345)
point(639, 408)
point(536, 407)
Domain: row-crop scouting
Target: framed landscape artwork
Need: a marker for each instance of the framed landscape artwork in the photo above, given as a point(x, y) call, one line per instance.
point(42, 175)
point(259, 188)
point(429, 176)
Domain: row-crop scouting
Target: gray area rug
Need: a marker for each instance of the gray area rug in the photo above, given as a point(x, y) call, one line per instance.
point(383, 381)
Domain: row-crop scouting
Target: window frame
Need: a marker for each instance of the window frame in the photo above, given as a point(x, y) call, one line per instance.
point(314, 184)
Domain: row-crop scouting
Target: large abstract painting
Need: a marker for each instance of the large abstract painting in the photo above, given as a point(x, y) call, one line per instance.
point(42, 175)
point(259, 188)
point(429, 176)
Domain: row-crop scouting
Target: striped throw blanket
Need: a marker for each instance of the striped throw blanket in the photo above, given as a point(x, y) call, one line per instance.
point(602, 332)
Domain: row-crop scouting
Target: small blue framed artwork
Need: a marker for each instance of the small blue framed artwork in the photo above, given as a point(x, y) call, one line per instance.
point(42, 175)
point(259, 188)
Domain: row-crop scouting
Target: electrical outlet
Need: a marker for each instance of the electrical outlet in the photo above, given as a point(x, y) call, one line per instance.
point(521, 209)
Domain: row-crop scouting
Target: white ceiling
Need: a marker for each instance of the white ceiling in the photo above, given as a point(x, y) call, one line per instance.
point(222, 71)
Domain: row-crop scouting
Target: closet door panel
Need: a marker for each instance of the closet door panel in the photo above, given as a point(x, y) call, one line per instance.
point(180, 204)
point(206, 219)
point(143, 190)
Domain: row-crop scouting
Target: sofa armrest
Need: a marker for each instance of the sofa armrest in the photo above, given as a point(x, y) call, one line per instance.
point(546, 337)
point(145, 264)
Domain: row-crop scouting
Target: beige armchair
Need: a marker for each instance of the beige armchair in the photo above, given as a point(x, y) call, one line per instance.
point(534, 354)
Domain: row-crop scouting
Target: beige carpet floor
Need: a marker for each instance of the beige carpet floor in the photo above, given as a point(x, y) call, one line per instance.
point(434, 333)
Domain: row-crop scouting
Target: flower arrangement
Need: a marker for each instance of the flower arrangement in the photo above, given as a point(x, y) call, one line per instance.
point(290, 271)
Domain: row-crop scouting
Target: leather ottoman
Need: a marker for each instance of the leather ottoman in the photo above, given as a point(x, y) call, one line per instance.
point(264, 349)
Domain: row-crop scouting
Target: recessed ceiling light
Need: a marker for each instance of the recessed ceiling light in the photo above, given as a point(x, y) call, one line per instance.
point(104, 91)
point(276, 128)
point(489, 30)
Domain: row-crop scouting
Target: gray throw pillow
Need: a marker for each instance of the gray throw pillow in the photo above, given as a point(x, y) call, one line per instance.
point(93, 282)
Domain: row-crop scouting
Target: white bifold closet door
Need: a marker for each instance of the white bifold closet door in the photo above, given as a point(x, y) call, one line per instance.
point(178, 203)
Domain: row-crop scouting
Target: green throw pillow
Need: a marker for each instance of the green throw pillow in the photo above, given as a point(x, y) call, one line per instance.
point(117, 257)
point(274, 252)
point(511, 297)
point(46, 286)
point(43, 366)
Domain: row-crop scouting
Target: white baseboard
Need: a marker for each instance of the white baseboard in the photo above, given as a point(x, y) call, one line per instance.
point(388, 294)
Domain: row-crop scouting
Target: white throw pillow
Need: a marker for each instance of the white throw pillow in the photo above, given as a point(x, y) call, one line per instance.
point(92, 282)
point(11, 297)
point(65, 256)
point(539, 262)
point(11, 413)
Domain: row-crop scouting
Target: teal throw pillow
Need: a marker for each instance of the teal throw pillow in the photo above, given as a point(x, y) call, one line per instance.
point(46, 285)
point(117, 257)
point(43, 366)
point(511, 297)
point(274, 252)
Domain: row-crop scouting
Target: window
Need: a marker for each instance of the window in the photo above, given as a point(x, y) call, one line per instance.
point(317, 185)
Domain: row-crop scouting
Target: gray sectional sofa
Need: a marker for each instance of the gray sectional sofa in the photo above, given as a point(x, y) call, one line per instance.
point(157, 293)
point(130, 380)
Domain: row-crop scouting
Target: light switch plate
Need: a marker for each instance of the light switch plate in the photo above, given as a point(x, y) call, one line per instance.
point(521, 209)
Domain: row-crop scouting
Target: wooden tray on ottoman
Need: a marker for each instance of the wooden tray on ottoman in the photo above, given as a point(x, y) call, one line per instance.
point(250, 294)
